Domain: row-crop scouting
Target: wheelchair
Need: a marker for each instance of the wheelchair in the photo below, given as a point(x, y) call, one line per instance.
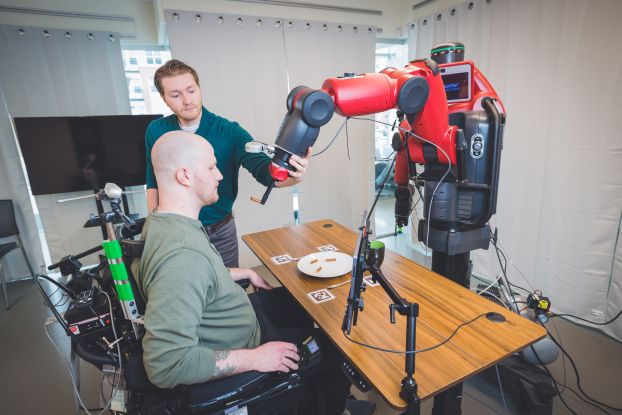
point(245, 393)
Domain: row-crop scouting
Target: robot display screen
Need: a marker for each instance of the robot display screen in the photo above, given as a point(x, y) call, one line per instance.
point(456, 86)
point(457, 80)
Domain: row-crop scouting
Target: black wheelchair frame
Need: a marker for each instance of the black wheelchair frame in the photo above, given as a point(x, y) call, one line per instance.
point(260, 393)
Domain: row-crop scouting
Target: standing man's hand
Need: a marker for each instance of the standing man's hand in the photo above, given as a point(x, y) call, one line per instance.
point(300, 164)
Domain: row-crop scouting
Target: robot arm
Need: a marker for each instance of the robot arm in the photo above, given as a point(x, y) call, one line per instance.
point(417, 90)
point(452, 125)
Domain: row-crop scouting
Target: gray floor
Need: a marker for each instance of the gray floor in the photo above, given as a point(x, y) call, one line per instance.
point(34, 379)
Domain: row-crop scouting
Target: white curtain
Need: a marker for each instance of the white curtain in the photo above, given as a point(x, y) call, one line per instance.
point(55, 74)
point(14, 186)
point(560, 192)
point(247, 65)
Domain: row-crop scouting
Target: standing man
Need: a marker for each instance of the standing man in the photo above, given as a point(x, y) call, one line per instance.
point(178, 85)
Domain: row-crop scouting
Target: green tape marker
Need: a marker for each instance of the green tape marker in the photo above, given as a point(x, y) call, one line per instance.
point(114, 254)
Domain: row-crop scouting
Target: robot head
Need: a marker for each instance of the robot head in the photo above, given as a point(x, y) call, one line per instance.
point(448, 52)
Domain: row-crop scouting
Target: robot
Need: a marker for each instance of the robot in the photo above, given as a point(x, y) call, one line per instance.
point(451, 122)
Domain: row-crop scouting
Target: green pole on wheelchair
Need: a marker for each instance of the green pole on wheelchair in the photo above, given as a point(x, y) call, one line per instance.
point(114, 254)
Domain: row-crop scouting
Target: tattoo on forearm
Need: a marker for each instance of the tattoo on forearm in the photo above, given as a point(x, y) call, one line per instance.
point(223, 368)
point(221, 354)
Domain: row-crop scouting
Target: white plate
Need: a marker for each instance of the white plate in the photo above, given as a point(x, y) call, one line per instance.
point(315, 264)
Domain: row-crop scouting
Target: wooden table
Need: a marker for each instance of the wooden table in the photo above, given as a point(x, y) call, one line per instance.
point(443, 305)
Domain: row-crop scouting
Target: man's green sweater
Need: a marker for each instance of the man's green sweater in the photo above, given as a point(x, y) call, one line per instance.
point(228, 140)
point(193, 305)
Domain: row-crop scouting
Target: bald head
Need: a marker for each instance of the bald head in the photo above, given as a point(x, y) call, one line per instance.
point(177, 149)
point(184, 165)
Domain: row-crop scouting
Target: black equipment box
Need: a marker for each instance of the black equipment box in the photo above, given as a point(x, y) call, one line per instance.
point(89, 313)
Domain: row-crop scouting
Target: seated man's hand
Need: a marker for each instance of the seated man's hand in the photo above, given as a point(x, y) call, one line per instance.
point(276, 356)
point(248, 274)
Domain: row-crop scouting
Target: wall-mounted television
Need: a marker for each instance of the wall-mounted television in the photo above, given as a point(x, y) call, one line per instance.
point(67, 154)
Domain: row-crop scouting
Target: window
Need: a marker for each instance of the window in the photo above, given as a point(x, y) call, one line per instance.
point(145, 100)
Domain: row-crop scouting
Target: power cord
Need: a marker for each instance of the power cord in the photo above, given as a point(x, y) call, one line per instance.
point(588, 321)
point(332, 140)
point(427, 349)
point(409, 133)
point(384, 182)
point(116, 380)
point(550, 375)
point(576, 372)
point(565, 354)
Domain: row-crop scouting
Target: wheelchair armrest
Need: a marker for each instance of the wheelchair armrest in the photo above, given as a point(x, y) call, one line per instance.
point(213, 391)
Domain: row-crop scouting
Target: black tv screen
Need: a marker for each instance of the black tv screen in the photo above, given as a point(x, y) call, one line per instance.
point(67, 154)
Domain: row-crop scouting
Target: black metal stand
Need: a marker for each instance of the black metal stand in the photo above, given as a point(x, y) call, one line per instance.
point(455, 268)
point(408, 391)
point(370, 257)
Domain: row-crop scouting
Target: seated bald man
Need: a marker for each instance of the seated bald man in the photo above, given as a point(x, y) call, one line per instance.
point(200, 324)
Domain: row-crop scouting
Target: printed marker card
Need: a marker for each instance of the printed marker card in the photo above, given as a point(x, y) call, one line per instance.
point(327, 248)
point(321, 296)
point(282, 259)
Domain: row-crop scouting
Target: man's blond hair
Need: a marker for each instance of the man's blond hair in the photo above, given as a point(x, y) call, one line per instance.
point(173, 67)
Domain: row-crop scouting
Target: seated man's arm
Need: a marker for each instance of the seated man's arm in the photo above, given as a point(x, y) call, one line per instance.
point(238, 274)
point(269, 357)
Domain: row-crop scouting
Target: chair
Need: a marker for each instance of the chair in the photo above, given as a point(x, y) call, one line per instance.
point(261, 393)
point(8, 227)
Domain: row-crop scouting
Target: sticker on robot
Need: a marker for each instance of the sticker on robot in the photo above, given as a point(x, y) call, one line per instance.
point(321, 296)
point(327, 248)
point(282, 259)
point(370, 283)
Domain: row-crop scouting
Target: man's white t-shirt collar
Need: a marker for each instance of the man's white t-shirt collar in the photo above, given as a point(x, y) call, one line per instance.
point(190, 128)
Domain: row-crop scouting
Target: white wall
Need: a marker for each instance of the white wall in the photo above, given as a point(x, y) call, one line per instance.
point(391, 21)
point(140, 31)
